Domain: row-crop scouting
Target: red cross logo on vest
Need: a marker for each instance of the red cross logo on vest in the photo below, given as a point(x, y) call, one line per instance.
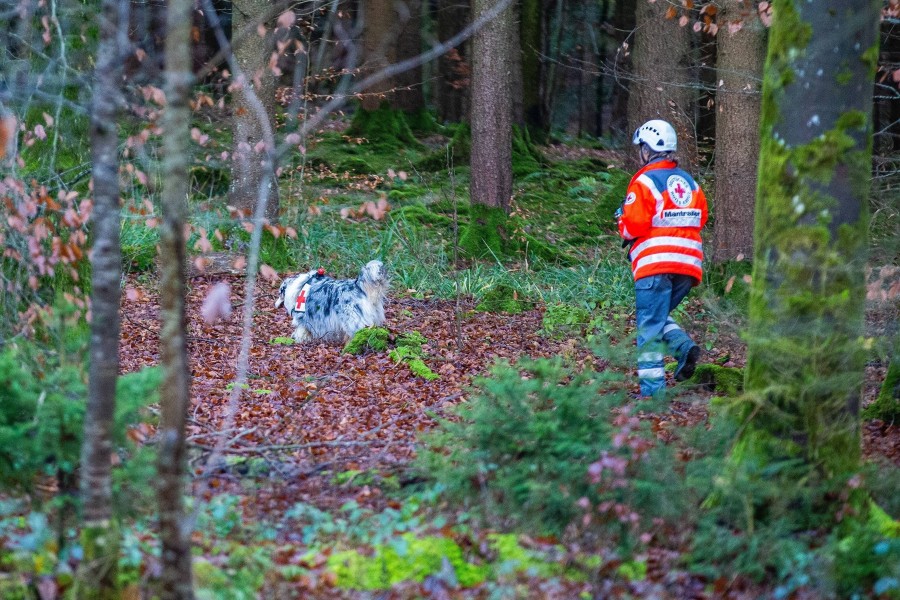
point(679, 190)
point(301, 299)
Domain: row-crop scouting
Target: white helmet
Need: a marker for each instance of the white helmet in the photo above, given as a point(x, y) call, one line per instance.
point(658, 135)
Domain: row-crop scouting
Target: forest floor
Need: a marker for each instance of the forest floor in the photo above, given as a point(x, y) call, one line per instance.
point(311, 412)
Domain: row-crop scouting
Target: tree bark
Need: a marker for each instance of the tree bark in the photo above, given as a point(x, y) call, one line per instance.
point(623, 22)
point(392, 32)
point(176, 577)
point(491, 116)
point(662, 84)
point(516, 82)
point(379, 49)
point(252, 173)
point(531, 34)
point(805, 361)
point(739, 67)
point(453, 69)
point(490, 182)
point(409, 96)
point(97, 578)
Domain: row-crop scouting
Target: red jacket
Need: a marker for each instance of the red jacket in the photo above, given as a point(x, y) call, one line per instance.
point(663, 213)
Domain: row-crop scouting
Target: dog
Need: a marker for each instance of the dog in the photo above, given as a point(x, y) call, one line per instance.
point(333, 310)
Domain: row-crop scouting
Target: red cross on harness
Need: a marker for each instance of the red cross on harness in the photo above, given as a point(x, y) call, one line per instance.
point(301, 299)
point(679, 190)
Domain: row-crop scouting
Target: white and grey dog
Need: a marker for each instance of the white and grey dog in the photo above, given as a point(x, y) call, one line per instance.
point(323, 308)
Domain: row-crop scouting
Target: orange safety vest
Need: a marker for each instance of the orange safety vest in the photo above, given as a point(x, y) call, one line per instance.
point(663, 213)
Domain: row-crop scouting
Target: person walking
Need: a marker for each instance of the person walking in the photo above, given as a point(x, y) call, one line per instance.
point(660, 222)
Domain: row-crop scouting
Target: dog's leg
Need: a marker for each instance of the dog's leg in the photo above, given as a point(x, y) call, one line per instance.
point(301, 334)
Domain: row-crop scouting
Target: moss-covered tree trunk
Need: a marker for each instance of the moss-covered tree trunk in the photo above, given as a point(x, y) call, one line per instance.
point(391, 108)
point(490, 185)
point(805, 364)
point(176, 578)
point(739, 65)
point(253, 112)
point(662, 81)
point(887, 405)
point(100, 540)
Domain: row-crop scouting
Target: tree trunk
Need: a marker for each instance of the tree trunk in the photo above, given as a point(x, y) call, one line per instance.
point(453, 70)
point(491, 176)
point(516, 82)
point(623, 22)
point(531, 34)
point(251, 170)
point(805, 362)
point(490, 185)
point(176, 579)
point(589, 79)
point(739, 72)
point(379, 49)
point(100, 541)
point(409, 96)
point(662, 82)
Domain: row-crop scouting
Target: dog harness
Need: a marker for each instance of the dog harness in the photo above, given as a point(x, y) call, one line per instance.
point(301, 298)
point(662, 215)
point(304, 292)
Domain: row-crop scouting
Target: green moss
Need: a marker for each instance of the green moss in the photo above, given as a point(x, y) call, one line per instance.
point(502, 298)
point(511, 553)
point(420, 369)
point(486, 233)
point(419, 213)
point(723, 380)
point(368, 338)
point(281, 341)
point(409, 350)
point(422, 122)
point(385, 128)
point(407, 191)
point(526, 158)
point(887, 405)
point(458, 154)
point(410, 558)
point(407, 559)
point(844, 77)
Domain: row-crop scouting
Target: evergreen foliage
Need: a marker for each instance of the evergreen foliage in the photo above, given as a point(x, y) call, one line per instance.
point(518, 452)
point(503, 298)
point(565, 320)
point(42, 410)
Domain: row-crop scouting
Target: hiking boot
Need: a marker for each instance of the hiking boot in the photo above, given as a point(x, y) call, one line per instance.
point(690, 364)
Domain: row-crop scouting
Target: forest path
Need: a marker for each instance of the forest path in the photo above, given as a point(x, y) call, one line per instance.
point(310, 412)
